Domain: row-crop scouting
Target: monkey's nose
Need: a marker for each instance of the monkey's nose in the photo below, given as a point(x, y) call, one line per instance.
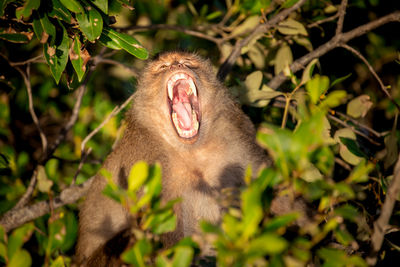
point(176, 65)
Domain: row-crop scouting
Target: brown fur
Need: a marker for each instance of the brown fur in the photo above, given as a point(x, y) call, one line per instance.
point(196, 170)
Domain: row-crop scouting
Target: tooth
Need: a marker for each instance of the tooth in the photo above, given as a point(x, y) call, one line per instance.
point(170, 94)
point(193, 87)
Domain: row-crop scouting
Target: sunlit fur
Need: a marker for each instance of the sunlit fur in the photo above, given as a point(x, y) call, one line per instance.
point(196, 171)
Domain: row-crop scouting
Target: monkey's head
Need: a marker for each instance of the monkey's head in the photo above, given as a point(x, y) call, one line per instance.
point(175, 92)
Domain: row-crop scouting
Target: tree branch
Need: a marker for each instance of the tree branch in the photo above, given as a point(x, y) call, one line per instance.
point(341, 13)
point(15, 218)
point(371, 69)
point(381, 224)
point(26, 77)
point(259, 29)
point(336, 41)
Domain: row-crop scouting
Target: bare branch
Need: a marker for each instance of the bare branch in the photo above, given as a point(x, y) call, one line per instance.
point(114, 112)
point(371, 69)
point(319, 22)
point(15, 218)
point(382, 223)
point(341, 13)
point(81, 163)
point(336, 41)
point(26, 77)
point(357, 123)
point(259, 29)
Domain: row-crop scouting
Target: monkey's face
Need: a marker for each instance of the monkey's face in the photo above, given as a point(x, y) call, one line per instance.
point(176, 84)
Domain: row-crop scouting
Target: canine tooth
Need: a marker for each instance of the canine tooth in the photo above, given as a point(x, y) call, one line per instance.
point(170, 94)
point(193, 87)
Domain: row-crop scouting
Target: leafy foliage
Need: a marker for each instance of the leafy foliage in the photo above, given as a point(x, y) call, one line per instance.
point(330, 129)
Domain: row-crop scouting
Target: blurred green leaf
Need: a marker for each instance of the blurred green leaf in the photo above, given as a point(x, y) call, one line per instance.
point(359, 106)
point(352, 146)
point(292, 27)
point(182, 257)
point(17, 238)
point(43, 183)
point(26, 10)
point(341, 79)
point(21, 258)
point(283, 58)
point(73, 5)
point(281, 221)
point(348, 212)
point(316, 87)
point(91, 23)
point(138, 254)
point(59, 262)
point(268, 243)
point(138, 175)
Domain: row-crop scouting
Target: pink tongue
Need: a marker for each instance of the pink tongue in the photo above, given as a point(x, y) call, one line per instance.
point(184, 112)
point(181, 104)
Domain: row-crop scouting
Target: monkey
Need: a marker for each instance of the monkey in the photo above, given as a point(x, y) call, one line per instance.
point(186, 120)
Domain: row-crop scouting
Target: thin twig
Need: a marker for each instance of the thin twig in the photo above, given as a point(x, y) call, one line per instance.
point(28, 193)
point(259, 29)
point(357, 123)
point(114, 112)
point(98, 60)
point(342, 13)
point(319, 22)
point(36, 59)
point(353, 129)
point(382, 223)
point(26, 77)
point(81, 163)
point(336, 41)
point(371, 69)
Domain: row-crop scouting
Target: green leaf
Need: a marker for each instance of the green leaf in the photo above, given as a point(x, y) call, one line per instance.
point(137, 254)
point(73, 5)
point(289, 3)
point(360, 172)
point(3, 251)
point(182, 256)
point(268, 243)
point(307, 73)
point(26, 10)
point(333, 257)
point(359, 106)
point(138, 175)
point(247, 25)
point(127, 42)
point(43, 183)
point(21, 258)
point(352, 146)
point(91, 23)
point(18, 238)
point(2, 232)
point(15, 37)
point(343, 150)
point(77, 59)
point(43, 28)
point(102, 5)
point(59, 262)
point(316, 87)
point(339, 80)
point(57, 55)
point(334, 99)
point(59, 11)
point(283, 58)
point(281, 221)
point(348, 212)
point(292, 27)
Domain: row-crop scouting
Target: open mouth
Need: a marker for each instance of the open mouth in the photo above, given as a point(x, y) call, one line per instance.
point(184, 105)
